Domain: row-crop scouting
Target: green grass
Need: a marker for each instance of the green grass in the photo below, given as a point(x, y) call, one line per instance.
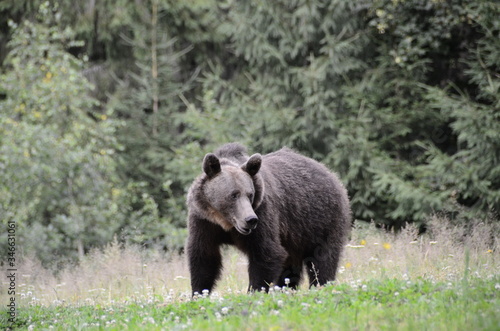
point(389, 304)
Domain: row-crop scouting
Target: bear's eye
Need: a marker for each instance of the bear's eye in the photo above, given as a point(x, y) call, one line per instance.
point(250, 196)
point(235, 195)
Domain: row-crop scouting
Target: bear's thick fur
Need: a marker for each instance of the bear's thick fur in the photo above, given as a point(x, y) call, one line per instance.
point(283, 210)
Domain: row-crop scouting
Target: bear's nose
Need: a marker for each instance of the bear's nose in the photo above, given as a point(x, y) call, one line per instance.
point(251, 222)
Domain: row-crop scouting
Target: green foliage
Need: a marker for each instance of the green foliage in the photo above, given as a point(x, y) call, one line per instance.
point(295, 53)
point(435, 163)
point(148, 103)
point(57, 170)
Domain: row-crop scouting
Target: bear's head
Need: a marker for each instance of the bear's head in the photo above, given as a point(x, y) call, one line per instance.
point(232, 192)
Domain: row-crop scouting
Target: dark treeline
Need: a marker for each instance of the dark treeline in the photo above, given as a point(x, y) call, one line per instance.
point(107, 108)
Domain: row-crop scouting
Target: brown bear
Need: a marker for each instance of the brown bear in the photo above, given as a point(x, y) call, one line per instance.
point(283, 210)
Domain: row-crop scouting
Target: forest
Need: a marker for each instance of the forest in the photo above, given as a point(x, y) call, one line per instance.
point(108, 107)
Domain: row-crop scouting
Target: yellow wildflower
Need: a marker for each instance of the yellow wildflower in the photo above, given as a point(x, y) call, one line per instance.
point(102, 151)
point(362, 242)
point(48, 77)
point(489, 251)
point(348, 265)
point(104, 117)
point(37, 114)
point(386, 246)
point(20, 108)
point(381, 27)
point(26, 153)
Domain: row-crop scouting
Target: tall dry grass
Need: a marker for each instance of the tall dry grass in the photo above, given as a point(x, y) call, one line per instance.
point(130, 274)
point(442, 254)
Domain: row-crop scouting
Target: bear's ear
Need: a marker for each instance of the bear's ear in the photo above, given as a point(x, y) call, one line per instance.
point(252, 166)
point(211, 165)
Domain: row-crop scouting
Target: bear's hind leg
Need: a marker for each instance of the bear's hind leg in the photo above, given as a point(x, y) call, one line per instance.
point(321, 271)
point(291, 276)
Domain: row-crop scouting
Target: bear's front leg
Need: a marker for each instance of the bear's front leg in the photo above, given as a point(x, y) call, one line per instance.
point(205, 269)
point(265, 265)
point(204, 257)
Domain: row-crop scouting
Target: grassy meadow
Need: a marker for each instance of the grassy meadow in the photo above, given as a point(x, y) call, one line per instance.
point(446, 279)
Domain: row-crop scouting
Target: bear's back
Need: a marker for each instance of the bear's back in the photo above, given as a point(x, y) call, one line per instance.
point(297, 181)
point(306, 196)
point(295, 170)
